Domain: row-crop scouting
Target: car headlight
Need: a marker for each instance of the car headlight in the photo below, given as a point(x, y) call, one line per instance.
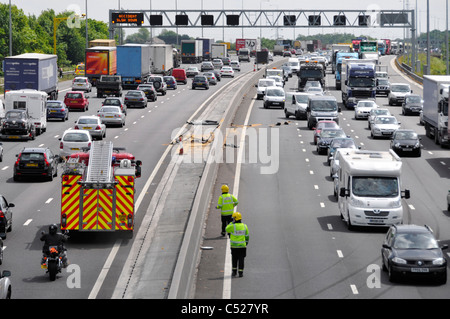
point(397, 145)
point(439, 261)
point(396, 204)
point(399, 260)
point(417, 145)
point(356, 202)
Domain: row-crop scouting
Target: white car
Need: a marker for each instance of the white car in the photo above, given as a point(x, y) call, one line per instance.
point(227, 71)
point(73, 141)
point(398, 92)
point(278, 80)
point(374, 113)
point(218, 63)
point(111, 115)
point(274, 96)
point(92, 124)
point(191, 72)
point(235, 65)
point(384, 126)
point(5, 285)
point(262, 85)
point(363, 108)
point(296, 104)
point(81, 83)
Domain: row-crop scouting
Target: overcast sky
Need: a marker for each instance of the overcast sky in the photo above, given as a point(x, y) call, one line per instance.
point(99, 10)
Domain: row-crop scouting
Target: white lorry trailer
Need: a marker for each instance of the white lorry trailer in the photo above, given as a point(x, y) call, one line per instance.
point(369, 186)
point(435, 107)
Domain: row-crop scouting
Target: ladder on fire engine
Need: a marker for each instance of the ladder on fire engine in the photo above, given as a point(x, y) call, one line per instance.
point(100, 159)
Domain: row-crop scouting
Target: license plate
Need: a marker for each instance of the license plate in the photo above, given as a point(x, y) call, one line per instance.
point(75, 149)
point(32, 165)
point(13, 137)
point(122, 218)
point(109, 117)
point(53, 111)
point(376, 221)
point(420, 270)
point(87, 128)
point(73, 101)
point(406, 149)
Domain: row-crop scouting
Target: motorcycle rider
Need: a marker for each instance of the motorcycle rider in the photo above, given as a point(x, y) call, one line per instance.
point(54, 239)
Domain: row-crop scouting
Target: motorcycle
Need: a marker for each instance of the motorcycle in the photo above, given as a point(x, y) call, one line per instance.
point(53, 262)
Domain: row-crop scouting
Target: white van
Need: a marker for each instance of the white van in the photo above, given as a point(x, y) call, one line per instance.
point(369, 186)
point(294, 63)
point(296, 104)
point(32, 100)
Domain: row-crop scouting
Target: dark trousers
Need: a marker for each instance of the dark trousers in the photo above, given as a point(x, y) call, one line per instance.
point(225, 221)
point(237, 259)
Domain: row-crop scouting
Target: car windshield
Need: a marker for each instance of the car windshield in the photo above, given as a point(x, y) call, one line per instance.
point(365, 186)
point(366, 104)
point(302, 98)
point(322, 125)
point(313, 84)
point(200, 78)
point(274, 73)
point(88, 121)
point(112, 102)
point(324, 106)
point(134, 93)
point(266, 83)
point(110, 110)
point(343, 143)
point(80, 80)
point(274, 92)
point(385, 120)
point(76, 137)
point(383, 82)
point(74, 95)
point(402, 135)
point(380, 112)
point(332, 133)
point(415, 241)
point(400, 88)
point(14, 115)
point(413, 99)
point(32, 156)
point(52, 105)
point(310, 73)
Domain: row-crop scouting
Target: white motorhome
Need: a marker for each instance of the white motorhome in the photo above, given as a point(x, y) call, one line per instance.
point(32, 100)
point(369, 185)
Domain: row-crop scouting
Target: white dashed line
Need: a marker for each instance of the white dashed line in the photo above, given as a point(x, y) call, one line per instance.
point(316, 186)
point(322, 205)
point(5, 168)
point(28, 222)
point(340, 254)
point(354, 289)
point(411, 207)
point(49, 200)
point(330, 227)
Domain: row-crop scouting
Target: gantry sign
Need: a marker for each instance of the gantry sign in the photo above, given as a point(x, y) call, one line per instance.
point(264, 18)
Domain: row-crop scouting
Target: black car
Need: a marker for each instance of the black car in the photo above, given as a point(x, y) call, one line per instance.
point(5, 216)
point(411, 250)
point(200, 81)
point(326, 136)
point(412, 104)
point(17, 124)
point(406, 142)
point(36, 162)
point(149, 91)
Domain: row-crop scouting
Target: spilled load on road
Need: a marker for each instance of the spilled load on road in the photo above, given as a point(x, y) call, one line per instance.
point(98, 190)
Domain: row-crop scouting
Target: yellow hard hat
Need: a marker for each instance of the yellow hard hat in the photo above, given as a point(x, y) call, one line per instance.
point(225, 188)
point(236, 216)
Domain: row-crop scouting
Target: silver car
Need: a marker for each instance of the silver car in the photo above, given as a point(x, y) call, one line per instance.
point(93, 125)
point(81, 83)
point(111, 115)
point(73, 141)
point(5, 285)
point(384, 126)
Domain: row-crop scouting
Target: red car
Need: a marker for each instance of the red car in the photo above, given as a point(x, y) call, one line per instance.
point(321, 125)
point(76, 100)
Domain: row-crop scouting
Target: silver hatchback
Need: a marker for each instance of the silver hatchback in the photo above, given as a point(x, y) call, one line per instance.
point(111, 115)
point(81, 83)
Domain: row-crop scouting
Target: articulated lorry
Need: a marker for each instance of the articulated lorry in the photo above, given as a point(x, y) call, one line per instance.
point(161, 56)
point(207, 42)
point(219, 51)
point(133, 64)
point(358, 81)
point(369, 187)
point(34, 71)
point(435, 107)
point(340, 56)
point(191, 51)
point(100, 61)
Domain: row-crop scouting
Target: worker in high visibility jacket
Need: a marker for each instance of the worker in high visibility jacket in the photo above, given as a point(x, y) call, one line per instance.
point(239, 237)
point(226, 203)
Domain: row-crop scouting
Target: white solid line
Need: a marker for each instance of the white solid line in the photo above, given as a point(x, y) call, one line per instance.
point(354, 289)
point(226, 294)
point(27, 222)
point(105, 269)
point(49, 200)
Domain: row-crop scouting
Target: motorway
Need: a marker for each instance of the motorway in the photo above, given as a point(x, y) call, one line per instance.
point(299, 247)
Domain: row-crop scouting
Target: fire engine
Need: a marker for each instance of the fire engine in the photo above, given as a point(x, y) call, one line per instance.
point(98, 190)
